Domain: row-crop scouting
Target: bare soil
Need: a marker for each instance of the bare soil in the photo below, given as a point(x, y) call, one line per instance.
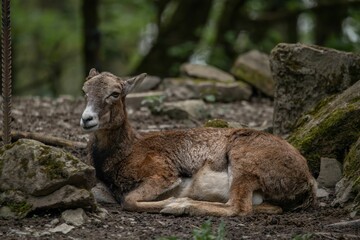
point(60, 117)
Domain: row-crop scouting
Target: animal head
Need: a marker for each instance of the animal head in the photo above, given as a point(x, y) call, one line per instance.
point(105, 95)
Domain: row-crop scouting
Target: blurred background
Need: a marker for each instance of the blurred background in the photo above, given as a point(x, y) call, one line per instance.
point(55, 43)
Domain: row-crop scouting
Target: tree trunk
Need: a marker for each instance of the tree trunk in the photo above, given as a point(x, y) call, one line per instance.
point(91, 42)
point(329, 21)
point(177, 38)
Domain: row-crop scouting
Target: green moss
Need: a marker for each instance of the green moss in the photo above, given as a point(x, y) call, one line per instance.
point(74, 160)
point(19, 208)
point(54, 169)
point(331, 137)
point(217, 123)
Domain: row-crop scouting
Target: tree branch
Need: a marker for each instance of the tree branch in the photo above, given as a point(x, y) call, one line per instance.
point(46, 139)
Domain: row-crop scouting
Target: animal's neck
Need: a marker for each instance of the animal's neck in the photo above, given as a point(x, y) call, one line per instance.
point(120, 139)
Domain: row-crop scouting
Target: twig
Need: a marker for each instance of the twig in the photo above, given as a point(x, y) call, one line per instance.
point(46, 139)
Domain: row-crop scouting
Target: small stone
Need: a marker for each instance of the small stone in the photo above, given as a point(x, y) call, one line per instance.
point(63, 228)
point(6, 213)
point(54, 222)
point(330, 172)
point(322, 193)
point(76, 217)
point(102, 194)
point(353, 214)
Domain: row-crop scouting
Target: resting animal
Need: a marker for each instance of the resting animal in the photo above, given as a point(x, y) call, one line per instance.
point(201, 171)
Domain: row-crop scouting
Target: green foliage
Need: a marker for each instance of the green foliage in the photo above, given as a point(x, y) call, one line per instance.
point(48, 37)
point(205, 232)
point(122, 25)
point(46, 42)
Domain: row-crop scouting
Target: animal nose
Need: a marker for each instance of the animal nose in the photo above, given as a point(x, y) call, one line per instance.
point(87, 119)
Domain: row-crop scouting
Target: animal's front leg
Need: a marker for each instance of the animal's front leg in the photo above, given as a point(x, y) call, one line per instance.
point(142, 198)
point(187, 206)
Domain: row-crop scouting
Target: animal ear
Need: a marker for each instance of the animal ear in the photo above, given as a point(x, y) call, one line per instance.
point(131, 83)
point(93, 72)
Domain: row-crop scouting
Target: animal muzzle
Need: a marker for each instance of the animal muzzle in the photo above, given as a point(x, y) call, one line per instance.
point(89, 120)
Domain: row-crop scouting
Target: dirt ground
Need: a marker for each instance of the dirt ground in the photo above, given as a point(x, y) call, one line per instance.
point(60, 117)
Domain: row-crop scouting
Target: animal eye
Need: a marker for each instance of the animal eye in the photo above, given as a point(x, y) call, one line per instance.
point(115, 94)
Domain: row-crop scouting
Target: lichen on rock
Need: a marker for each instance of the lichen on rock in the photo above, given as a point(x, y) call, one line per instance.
point(31, 172)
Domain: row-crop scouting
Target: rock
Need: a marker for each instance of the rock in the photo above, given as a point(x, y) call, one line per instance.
point(350, 184)
point(75, 217)
point(220, 123)
point(185, 109)
point(7, 213)
point(53, 177)
point(304, 76)
point(149, 83)
point(322, 193)
point(102, 194)
point(65, 197)
point(205, 72)
point(43, 168)
point(254, 68)
point(101, 213)
point(343, 192)
point(14, 204)
point(330, 172)
point(136, 100)
point(330, 128)
point(62, 228)
point(200, 88)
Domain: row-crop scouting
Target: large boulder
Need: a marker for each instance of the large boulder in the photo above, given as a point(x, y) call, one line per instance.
point(329, 129)
point(304, 76)
point(36, 176)
point(253, 67)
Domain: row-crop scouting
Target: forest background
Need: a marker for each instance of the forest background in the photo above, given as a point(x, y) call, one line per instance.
point(55, 43)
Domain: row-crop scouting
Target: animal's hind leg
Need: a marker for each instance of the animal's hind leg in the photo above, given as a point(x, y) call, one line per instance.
point(240, 202)
point(241, 193)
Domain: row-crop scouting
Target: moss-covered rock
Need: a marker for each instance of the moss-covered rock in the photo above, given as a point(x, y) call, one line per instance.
point(304, 76)
point(254, 68)
point(331, 129)
point(31, 171)
point(352, 170)
point(217, 123)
